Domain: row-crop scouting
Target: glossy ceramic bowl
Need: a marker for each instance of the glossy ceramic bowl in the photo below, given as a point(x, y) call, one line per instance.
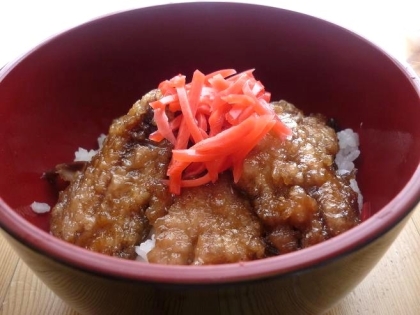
point(66, 91)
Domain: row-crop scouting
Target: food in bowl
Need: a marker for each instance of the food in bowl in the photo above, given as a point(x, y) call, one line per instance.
point(247, 179)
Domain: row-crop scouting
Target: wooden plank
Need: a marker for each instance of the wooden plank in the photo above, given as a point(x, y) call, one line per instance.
point(8, 263)
point(416, 219)
point(392, 286)
point(28, 295)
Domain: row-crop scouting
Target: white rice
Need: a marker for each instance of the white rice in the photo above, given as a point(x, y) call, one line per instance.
point(144, 248)
point(40, 207)
point(348, 141)
point(85, 155)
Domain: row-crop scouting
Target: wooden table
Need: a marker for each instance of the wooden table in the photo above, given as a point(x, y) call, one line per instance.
point(393, 287)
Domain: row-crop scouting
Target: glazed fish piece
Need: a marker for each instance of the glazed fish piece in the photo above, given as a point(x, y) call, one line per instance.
point(104, 207)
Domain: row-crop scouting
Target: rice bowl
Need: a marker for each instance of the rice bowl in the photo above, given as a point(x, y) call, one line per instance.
point(326, 65)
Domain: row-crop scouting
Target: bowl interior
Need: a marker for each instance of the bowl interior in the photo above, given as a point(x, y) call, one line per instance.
point(66, 92)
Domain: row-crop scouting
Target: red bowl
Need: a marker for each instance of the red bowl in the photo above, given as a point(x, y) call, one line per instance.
point(65, 92)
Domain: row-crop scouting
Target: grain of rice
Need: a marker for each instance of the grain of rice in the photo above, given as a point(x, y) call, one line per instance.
point(144, 248)
point(86, 156)
point(348, 141)
point(40, 207)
